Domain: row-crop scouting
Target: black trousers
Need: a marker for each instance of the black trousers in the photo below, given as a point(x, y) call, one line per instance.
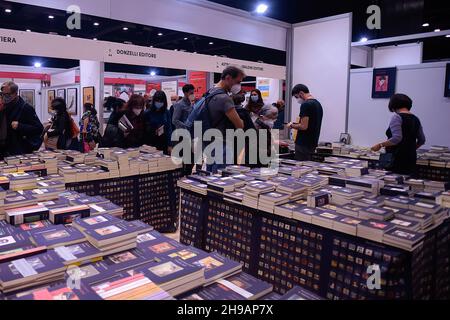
point(303, 153)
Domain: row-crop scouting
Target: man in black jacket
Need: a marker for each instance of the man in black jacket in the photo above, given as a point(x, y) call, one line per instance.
point(20, 128)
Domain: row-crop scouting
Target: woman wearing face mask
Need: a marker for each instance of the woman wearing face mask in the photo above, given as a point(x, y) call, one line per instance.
point(113, 136)
point(255, 104)
point(266, 121)
point(159, 124)
point(61, 127)
point(135, 137)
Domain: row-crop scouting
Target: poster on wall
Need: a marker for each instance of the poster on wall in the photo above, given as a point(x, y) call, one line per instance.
point(89, 95)
point(384, 83)
point(171, 89)
point(123, 91)
point(151, 88)
point(199, 80)
point(263, 85)
point(447, 81)
point(28, 96)
point(61, 93)
point(50, 97)
point(72, 101)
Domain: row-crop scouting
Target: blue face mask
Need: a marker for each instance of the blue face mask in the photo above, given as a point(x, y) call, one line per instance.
point(254, 98)
point(159, 105)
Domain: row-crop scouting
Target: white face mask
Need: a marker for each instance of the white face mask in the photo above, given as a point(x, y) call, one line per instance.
point(137, 111)
point(236, 89)
point(269, 123)
point(300, 100)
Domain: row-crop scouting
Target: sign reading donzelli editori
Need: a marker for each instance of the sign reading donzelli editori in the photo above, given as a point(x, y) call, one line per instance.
point(45, 45)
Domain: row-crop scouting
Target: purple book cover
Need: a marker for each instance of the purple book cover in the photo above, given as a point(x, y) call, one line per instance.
point(95, 222)
point(125, 260)
point(57, 234)
point(378, 225)
point(53, 204)
point(215, 265)
point(162, 247)
point(59, 292)
point(13, 240)
point(405, 235)
point(166, 271)
point(31, 266)
point(238, 287)
point(77, 251)
point(141, 226)
point(111, 231)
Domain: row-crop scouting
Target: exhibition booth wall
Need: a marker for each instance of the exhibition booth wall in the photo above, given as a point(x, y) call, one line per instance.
point(424, 83)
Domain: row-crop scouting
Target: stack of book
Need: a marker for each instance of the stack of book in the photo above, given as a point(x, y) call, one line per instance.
point(74, 156)
point(425, 220)
point(407, 224)
point(298, 293)
point(107, 208)
point(330, 171)
point(46, 194)
point(4, 182)
point(326, 218)
point(395, 190)
point(112, 236)
point(252, 192)
point(31, 271)
point(56, 185)
point(68, 214)
point(444, 199)
point(424, 207)
point(56, 236)
point(403, 238)
point(305, 214)
point(348, 225)
point(193, 185)
point(268, 201)
point(69, 173)
point(295, 188)
point(51, 164)
point(356, 171)
point(376, 213)
point(234, 197)
point(287, 210)
point(365, 184)
point(238, 287)
point(19, 215)
point(17, 200)
point(367, 202)
point(349, 210)
point(236, 169)
point(22, 181)
point(345, 196)
point(399, 202)
point(175, 276)
point(416, 185)
point(111, 166)
point(318, 199)
point(436, 186)
point(429, 197)
point(226, 184)
point(373, 229)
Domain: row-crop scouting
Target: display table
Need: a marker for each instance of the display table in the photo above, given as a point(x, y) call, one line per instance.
point(286, 252)
point(151, 198)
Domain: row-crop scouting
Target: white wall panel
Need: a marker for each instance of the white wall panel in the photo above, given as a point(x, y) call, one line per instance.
point(402, 55)
point(321, 60)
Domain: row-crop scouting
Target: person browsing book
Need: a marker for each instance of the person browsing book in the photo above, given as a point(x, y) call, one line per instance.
point(113, 136)
point(89, 128)
point(308, 130)
point(133, 122)
point(159, 124)
point(183, 108)
point(405, 135)
point(61, 132)
point(255, 104)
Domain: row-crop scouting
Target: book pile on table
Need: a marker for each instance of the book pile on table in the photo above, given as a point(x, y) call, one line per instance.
point(111, 166)
point(51, 164)
point(75, 156)
point(268, 201)
point(287, 210)
point(295, 188)
point(403, 238)
point(253, 191)
point(239, 287)
point(436, 186)
point(19, 215)
point(222, 185)
point(193, 185)
point(299, 293)
point(22, 181)
point(318, 199)
point(343, 196)
point(444, 199)
point(376, 213)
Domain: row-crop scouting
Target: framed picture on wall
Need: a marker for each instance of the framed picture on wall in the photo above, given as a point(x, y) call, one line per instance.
point(447, 82)
point(384, 81)
point(61, 93)
point(89, 95)
point(72, 101)
point(28, 96)
point(50, 97)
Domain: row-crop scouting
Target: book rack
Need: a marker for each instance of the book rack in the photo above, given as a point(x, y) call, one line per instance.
point(151, 198)
point(286, 252)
